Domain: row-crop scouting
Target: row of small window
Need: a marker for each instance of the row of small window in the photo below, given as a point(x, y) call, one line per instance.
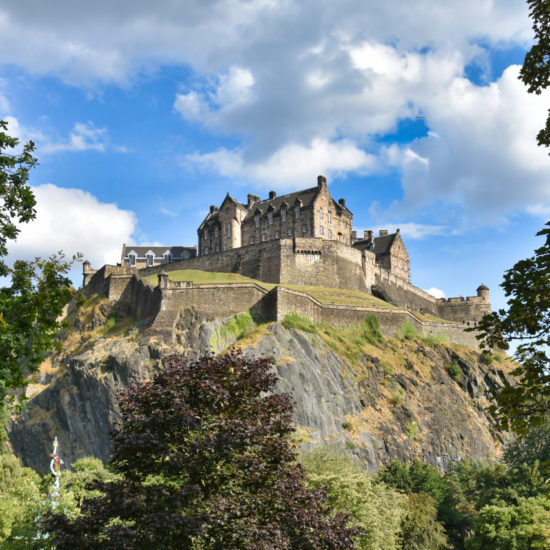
point(283, 216)
point(226, 231)
point(216, 248)
point(150, 259)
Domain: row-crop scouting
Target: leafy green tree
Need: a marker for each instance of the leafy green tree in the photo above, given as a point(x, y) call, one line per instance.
point(535, 72)
point(534, 446)
point(375, 507)
point(527, 321)
point(420, 529)
point(205, 462)
point(524, 525)
point(20, 498)
point(31, 305)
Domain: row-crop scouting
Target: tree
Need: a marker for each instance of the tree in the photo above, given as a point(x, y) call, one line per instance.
point(534, 446)
point(39, 289)
point(520, 526)
point(420, 529)
point(375, 507)
point(527, 321)
point(205, 462)
point(535, 72)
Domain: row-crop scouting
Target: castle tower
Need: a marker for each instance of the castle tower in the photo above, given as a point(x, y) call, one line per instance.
point(87, 272)
point(483, 292)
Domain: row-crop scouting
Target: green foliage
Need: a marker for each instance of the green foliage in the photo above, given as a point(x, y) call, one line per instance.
point(455, 372)
point(31, 305)
point(420, 529)
point(407, 331)
point(396, 398)
point(204, 460)
point(20, 498)
point(349, 342)
point(433, 339)
point(527, 321)
point(520, 526)
point(347, 425)
point(535, 72)
point(376, 508)
point(412, 429)
point(534, 446)
point(486, 357)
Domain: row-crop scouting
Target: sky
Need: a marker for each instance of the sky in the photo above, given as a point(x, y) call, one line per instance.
point(144, 114)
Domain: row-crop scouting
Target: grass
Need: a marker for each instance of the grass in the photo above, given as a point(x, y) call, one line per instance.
point(237, 327)
point(350, 342)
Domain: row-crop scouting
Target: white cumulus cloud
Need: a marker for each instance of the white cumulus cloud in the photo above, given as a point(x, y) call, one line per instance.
point(436, 292)
point(74, 221)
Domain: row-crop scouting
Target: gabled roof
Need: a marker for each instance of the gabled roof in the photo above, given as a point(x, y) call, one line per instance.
point(229, 198)
point(382, 245)
point(306, 197)
point(210, 217)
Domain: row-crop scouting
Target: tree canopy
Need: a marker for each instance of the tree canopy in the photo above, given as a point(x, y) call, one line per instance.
point(526, 321)
point(39, 289)
point(205, 461)
point(535, 72)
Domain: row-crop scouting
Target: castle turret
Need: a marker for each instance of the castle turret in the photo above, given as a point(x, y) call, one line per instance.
point(87, 272)
point(483, 292)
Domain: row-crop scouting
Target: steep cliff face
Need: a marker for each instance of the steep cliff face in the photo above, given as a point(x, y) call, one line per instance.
point(398, 399)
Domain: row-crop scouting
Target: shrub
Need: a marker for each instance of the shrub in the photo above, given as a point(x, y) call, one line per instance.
point(407, 331)
point(455, 372)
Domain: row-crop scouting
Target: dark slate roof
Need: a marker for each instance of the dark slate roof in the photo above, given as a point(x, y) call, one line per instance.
point(306, 197)
point(176, 251)
point(234, 201)
point(383, 244)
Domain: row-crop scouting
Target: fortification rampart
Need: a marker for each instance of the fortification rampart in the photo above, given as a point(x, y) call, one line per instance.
point(306, 261)
point(164, 302)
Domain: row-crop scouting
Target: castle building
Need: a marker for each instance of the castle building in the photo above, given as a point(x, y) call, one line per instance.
point(308, 213)
point(149, 256)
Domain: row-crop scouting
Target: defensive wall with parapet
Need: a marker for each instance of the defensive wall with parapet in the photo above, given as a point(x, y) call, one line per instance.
point(319, 262)
point(164, 303)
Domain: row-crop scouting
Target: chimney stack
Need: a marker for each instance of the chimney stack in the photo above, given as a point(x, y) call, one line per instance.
point(321, 181)
point(342, 202)
point(252, 199)
point(213, 208)
point(272, 195)
point(383, 232)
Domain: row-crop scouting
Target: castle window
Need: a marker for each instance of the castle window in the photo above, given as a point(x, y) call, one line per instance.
point(257, 220)
point(321, 230)
point(264, 237)
point(206, 234)
point(228, 229)
point(252, 240)
point(330, 234)
point(270, 218)
point(297, 211)
point(304, 229)
point(329, 217)
point(216, 232)
point(283, 214)
point(321, 213)
point(217, 248)
point(206, 250)
point(277, 235)
point(132, 260)
point(289, 232)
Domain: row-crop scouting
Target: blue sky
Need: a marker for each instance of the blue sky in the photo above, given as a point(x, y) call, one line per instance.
point(144, 115)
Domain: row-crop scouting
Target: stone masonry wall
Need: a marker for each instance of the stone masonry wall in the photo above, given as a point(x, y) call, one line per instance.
point(304, 261)
point(391, 320)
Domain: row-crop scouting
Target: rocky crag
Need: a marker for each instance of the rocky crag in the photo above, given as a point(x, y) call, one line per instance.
point(392, 399)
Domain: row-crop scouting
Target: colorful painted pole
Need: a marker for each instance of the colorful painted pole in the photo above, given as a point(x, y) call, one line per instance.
point(55, 468)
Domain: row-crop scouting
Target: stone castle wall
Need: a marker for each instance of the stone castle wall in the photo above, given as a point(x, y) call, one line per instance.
point(304, 261)
point(217, 301)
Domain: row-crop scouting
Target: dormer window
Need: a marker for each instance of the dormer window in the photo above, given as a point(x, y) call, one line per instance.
point(150, 259)
point(297, 211)
point(168, 257)
point(132, 259)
